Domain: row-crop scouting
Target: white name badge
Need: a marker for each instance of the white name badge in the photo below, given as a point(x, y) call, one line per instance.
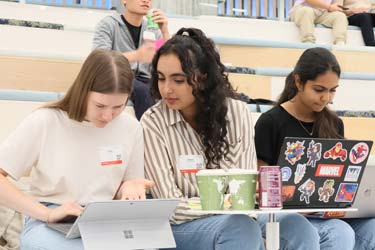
point(111, 155)
point(190, 163)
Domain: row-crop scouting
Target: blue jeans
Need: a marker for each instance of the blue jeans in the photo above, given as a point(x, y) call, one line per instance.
point(37, 236)
point(334, 234)
point(221, 232)
point(141, 96)
point(364, 229)
point(296, 232)
point(300, 233)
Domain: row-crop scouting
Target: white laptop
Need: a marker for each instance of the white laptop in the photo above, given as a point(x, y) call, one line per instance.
point(123, 224)
point(365, 200)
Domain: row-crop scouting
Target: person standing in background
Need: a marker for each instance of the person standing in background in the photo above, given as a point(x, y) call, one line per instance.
point(306, 13)
point(124, 33)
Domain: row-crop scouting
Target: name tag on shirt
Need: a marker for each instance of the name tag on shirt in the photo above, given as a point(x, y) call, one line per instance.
point(190, 163)
point(111, 155)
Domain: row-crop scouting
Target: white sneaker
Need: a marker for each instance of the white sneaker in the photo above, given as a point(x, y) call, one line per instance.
point(340, 43)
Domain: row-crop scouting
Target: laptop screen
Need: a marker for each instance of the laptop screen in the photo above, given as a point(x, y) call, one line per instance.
point(321, 173)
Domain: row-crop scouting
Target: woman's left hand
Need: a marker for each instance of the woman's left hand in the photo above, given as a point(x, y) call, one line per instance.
point(135, 189)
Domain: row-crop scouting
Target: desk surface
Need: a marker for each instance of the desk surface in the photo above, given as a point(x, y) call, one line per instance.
point(276, 211)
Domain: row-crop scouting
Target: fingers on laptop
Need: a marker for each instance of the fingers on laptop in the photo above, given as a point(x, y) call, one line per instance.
point(63, 211)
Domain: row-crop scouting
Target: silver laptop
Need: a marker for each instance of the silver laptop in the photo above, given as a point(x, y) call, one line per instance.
point(140, 224)
point(365, 200)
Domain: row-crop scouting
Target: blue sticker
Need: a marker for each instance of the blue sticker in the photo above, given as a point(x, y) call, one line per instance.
point(286, 173)
point(346, 192)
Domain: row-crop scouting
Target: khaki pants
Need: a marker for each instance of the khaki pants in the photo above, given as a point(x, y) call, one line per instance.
point(306, 17)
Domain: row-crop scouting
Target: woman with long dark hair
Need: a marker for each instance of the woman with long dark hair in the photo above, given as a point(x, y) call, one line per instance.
point(197, 120)
point(302, 111)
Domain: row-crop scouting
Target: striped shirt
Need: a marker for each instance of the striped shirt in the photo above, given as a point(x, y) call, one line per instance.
point(168, 136)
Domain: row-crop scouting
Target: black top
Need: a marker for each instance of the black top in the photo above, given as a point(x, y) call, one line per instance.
point(276, 124)
point(134, 31)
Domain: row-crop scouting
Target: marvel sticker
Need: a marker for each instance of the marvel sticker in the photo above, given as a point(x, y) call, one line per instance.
point(329, 170)
point(336, 152)
point(358, 153)
point(352, 173)
point(314, 153)
point(286, 173)
point(294, 151)
point(299, 173)
point(307, 189)
point(326, 191)
point(346, 192)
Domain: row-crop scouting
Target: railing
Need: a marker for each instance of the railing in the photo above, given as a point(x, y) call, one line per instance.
point(268, 9)
point(97, 4)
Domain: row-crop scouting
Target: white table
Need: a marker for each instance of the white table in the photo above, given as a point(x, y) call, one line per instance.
point(272, 228)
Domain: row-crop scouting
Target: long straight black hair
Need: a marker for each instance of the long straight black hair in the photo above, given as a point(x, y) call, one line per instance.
point(313, 63)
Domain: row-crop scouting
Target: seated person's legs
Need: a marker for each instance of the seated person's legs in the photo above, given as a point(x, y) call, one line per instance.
point(334, 234)
point(296, 232)
point(221, 232)
point(366, 22)
point(303, 17)
point(364, 229)
point(36, 235)
point(141, 96)
point(339, 24)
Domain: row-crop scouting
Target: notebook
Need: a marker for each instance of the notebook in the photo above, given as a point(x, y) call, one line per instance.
point(321, 173)
point(125, 224)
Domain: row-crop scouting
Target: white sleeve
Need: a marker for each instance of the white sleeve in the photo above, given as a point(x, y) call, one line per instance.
point(20, 151)
point(135, 168)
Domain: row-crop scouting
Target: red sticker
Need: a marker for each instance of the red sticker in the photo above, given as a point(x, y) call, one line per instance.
point(336, 152)
point(329, 170)
point(358, 153)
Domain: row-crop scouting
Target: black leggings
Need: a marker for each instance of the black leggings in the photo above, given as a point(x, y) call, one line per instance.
point(366, 21)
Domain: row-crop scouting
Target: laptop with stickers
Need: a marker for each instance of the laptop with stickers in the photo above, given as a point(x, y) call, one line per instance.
point(123, 224)
point(321, 173)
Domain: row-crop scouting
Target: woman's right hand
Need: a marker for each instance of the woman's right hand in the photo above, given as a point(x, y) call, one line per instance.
point(65, 210)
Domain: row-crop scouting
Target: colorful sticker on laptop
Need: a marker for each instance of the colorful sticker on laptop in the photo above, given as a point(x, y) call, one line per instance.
point(314, 153)
point(336, 152)
point(329, 170)
point(326, 191)
point(358, 153)
point(307, 189)
point(299, 173)
point(287, 192)
point(286, 173)
point(294, 151)
point(334, 214)
point(346, 192)
point(352, 173)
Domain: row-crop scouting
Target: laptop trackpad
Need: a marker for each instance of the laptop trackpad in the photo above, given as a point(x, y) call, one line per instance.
point(129, 234)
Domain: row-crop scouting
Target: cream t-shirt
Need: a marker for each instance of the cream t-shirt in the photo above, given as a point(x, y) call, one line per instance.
point(74, 161)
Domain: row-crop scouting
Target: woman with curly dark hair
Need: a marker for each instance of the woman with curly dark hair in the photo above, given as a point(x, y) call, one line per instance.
point(197, 124)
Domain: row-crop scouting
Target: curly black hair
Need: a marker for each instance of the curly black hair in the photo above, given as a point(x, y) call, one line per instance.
point(200, 61)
